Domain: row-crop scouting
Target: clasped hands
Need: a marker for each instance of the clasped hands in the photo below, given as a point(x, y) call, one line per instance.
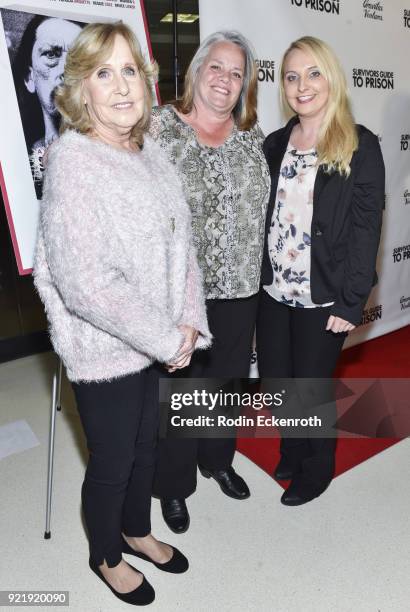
point(183, 357)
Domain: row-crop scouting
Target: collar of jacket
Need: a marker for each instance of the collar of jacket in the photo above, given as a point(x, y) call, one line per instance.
point(276, 151)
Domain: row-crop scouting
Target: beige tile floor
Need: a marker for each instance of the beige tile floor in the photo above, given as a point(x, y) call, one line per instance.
point(346, 552)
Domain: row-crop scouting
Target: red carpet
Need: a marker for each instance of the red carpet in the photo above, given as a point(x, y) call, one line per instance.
point(384, 357)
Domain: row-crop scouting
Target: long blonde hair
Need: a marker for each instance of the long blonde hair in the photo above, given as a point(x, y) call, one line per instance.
point(244, 113)
point(90, 49)
point(338, 135)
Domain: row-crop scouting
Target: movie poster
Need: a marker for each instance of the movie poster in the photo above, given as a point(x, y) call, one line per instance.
point(34, 41)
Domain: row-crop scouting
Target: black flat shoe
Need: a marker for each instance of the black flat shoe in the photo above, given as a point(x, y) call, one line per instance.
point(175, 514)
point(177, 564)
point(230, 482)
point(284, 470)
point(141, 596)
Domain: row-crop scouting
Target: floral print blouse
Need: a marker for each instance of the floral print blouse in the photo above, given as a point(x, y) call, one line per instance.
point(290, 231)
point(227, 189)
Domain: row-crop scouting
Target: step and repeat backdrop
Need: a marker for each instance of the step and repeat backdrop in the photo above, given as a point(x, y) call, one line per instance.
point(372, 40)
point(34, 39)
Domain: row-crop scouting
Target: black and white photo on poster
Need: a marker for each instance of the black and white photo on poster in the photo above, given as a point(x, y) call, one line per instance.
point(37, 47)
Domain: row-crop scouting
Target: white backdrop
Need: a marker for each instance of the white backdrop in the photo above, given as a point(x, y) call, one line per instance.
point(16, 181)
point(372, 40)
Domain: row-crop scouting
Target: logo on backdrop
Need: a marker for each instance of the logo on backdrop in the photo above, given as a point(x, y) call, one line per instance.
point(372, 314)
point(406, 18)
point(406, 196)
point(401, 253)
point(266, 70)
point(404, 302)
point(373, 79)
point(323, 6)
point(373, 10)
point(404, 142)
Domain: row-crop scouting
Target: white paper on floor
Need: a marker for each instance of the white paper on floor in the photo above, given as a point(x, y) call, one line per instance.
point(16, 437)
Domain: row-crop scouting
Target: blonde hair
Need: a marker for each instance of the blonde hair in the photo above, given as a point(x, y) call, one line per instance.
point(244, 113)
point(90, 49)
point(338, 135)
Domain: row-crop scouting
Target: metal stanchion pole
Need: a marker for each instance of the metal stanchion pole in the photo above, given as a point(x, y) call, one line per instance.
point(55, 398)
point(59, 375)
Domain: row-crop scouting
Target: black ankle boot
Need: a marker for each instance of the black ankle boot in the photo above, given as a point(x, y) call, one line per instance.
point(284, 470)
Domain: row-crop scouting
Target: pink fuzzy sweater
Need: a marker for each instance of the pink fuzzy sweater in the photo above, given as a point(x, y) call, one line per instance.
point(114, 265)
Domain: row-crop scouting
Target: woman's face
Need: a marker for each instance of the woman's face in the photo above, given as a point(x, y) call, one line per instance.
point(114, 92)
point(220, 78)
point(53, 40)
point(306, 89)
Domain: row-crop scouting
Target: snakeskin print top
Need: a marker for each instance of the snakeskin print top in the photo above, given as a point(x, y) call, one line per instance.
point(227, 189)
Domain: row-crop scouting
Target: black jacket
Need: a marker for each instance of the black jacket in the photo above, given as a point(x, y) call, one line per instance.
point(346, 224)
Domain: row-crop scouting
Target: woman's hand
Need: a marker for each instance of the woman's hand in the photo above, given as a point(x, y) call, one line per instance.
point(183, 357)
point(338, 325)
point(183, 363)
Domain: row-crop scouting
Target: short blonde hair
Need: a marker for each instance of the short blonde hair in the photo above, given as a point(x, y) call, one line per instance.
point(90, 49)
point(244, 113)
point(338, 135)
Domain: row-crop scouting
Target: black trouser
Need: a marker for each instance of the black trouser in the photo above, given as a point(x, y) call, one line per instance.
point(293, 343)
point(120, 421)
point(232, 324)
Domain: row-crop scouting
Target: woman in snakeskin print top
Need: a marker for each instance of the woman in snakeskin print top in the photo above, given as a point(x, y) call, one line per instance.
point(212, 136)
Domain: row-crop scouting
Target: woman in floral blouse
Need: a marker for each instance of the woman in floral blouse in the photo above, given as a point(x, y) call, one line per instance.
point(212, 137)
point(321, 240)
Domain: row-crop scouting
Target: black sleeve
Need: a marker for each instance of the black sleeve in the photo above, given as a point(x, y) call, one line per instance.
point(366, 219)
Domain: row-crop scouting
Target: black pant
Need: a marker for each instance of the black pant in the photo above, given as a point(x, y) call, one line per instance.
point(293, 343)
point(232, 324)
point(120, 421)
